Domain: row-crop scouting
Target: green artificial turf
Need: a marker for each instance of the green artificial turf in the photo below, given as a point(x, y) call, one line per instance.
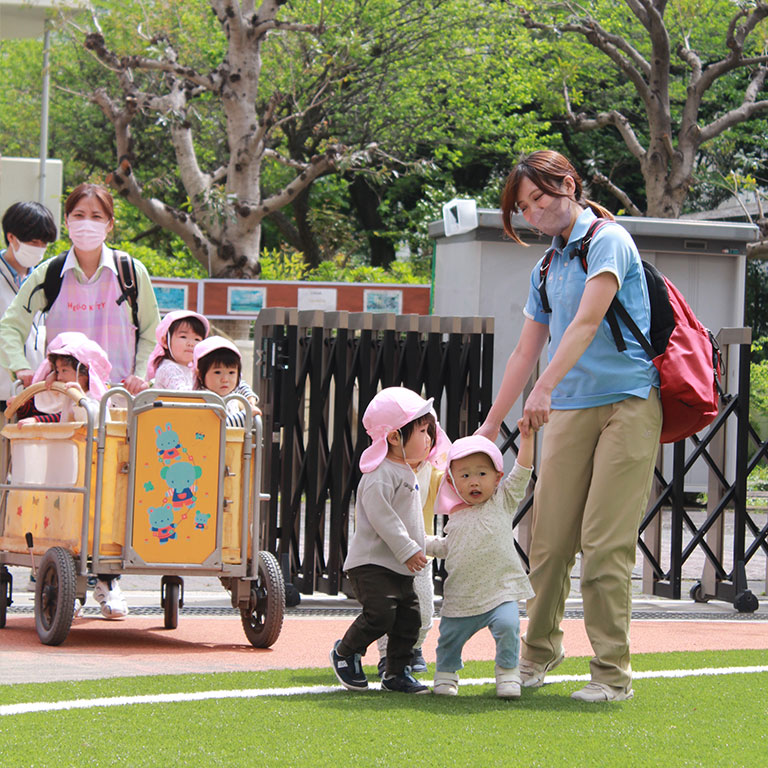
point(690, 721)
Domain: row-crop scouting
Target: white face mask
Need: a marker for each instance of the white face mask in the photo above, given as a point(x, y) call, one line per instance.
point(87, 234)
point(27, 255)
point(49, 401)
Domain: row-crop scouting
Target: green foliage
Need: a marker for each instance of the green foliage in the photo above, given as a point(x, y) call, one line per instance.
point(758, 378)
point(282, 265)
point(289, 265)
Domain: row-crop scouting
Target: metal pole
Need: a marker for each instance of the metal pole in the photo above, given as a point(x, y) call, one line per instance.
point(44, 110)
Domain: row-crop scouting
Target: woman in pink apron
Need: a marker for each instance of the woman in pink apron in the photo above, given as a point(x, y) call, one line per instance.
point(88, 299)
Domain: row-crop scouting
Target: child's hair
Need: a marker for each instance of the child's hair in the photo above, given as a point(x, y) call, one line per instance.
point(428, 419)
point(219, 356)
point(192, 322)
point(79, 368)
point(546, 170)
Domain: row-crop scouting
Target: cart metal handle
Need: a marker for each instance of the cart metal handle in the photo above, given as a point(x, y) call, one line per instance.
point(75, 393)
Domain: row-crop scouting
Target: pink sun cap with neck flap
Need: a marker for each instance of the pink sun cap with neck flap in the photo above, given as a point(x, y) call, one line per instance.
point(448, 500)
point(87, 352)
point(161, 334)
point(390, 410)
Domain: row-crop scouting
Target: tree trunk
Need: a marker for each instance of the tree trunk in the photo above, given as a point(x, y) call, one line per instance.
point(366, 204)
point(309, 246)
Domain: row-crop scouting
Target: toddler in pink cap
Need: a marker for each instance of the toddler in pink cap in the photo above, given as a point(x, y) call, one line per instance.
point(387, 548)
point(485, 576)
point(177, 334)
point(218, 367)
point(74, 360)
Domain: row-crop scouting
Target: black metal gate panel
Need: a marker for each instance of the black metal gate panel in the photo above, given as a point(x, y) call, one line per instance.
point(317, 372)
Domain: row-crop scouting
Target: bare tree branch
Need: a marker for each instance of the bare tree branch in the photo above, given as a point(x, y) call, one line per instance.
point(603, 181)
point(617, 120)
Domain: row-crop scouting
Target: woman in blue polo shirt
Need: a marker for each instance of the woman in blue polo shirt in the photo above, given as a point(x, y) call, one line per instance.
point(603, 418)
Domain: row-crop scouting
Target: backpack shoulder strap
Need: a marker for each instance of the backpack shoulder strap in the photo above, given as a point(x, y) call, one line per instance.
point(51, 284)
point(616, 308)
point(129, 289)
point(586, 241)
point(543, 271)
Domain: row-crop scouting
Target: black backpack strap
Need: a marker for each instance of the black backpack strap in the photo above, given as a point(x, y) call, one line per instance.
point(129, 290)
point(51, 284)
point(543, 271)
point(617, 308)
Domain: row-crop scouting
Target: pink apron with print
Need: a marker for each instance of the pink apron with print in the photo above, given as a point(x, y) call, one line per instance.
point(91, 309)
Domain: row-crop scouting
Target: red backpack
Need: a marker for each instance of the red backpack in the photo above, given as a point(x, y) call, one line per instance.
point(682, 349)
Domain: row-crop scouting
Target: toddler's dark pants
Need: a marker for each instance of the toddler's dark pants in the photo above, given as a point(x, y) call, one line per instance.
point(391, 608)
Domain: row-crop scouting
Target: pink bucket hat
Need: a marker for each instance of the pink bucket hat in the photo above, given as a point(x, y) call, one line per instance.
point(161, 334)
point(85, 351)
point(392, 409)
point(209, 344)
point(447, 499)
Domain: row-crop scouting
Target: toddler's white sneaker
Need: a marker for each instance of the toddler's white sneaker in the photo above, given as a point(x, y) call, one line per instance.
point(507, 682)
point(446, 684)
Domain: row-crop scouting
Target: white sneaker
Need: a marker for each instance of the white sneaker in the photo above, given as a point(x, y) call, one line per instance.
point(595, 692)
point(446, 684)
point(532, 674)
point(110, 597)
point(507, 682)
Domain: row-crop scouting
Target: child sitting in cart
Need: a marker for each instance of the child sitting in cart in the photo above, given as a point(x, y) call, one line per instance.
point(74, 361)
point(218, 368)
point(178, 333)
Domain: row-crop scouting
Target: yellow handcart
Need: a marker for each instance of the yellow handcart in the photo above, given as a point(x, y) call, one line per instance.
point(160, 486)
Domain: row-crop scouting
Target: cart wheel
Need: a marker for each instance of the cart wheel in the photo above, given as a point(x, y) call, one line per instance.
point(697, 593)
point(263, 618)
point(170, 598)
point(746, 602)
point(6, 582)
point(55, 596)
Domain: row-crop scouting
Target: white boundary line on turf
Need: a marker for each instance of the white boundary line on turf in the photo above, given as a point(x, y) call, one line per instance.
point(254, 693)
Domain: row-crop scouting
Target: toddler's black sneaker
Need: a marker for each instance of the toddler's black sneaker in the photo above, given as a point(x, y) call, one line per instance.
point(418, 662)
point(405, 683)
point(349, 670)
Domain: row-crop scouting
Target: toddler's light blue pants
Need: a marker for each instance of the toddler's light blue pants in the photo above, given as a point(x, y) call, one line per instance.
point(504, 623)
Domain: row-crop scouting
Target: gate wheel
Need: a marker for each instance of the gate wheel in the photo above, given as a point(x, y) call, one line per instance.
point(55, 596)
point(697, 593)
point(263, 618)
point(746, 602)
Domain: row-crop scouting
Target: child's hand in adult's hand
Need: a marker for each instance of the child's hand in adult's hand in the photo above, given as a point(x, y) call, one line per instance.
point(525, 453)
point(416, 562)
